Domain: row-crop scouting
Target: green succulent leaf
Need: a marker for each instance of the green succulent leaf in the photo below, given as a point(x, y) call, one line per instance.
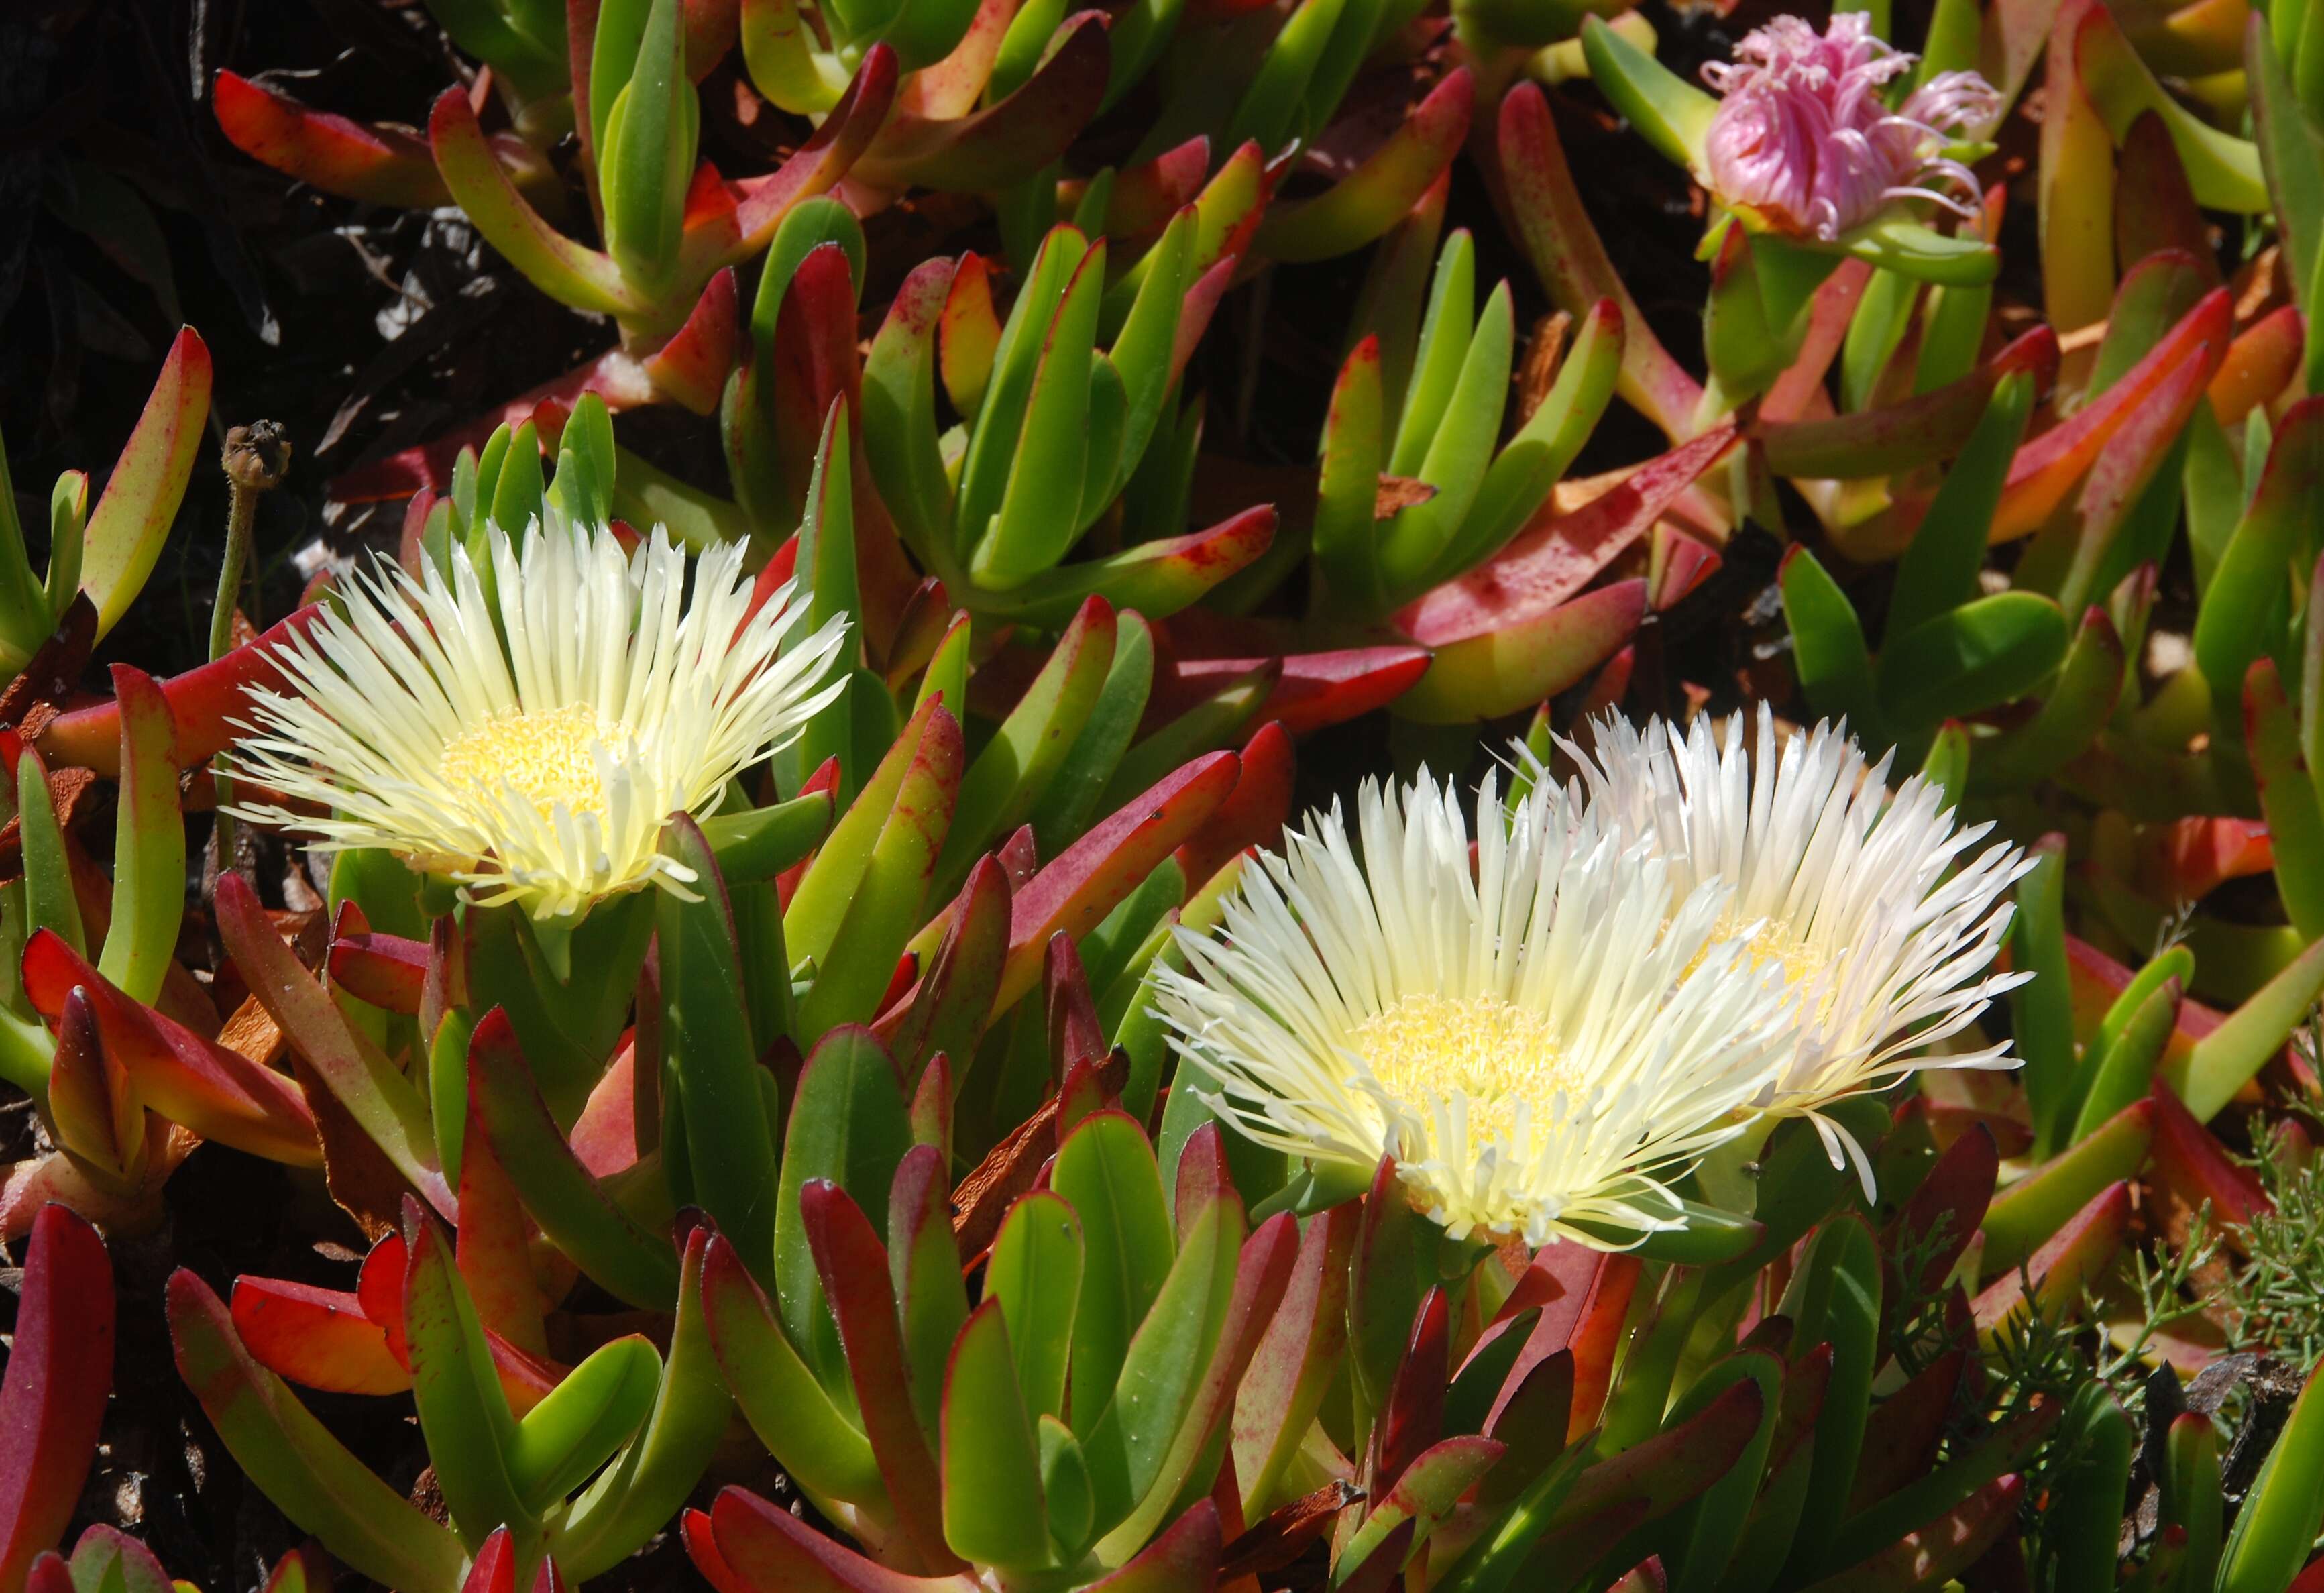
point(560, 1443)
point(1985, 652)
point(1161, 1373)
point(1670, 113)
point(1828, 648)
point(1105, 1171)
point(308, 1473)
point(637, 1495)
point(1835, 1298)
point(993, 1509)
point(1036, 1276)
point(849, 1125)
point(463, 1413)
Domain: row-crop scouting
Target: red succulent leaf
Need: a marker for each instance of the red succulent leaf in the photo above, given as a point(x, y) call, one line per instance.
point(381, 165)
point(2190, 1161)
point(1146, 196)
point(1182, 1560)
point(2156, 210)
point(494, 1571)
point(321, 1338)
point(1909, 433)
point(1313, 690)
point(1584, 1296)
point(1683, 564)
point(387, 970)
point(1902, 1433)
point(1263, 1275)
point(526, 1378)
point(690, 369)
point(2047, 467)
point(379, 1288)
point(1413, 1416)
point(304, 1569)
point(814, 360)
point(1530, 1423)
point(2259, 365)
point(493, 1244)
point(696, 1530)
point(922, 626)
point(205, 701)
point(59, 1374)
point(377, 1100)
point(1955, 1192)
point(1194, 316)
point(1664, 1471)
point(710, 34)
point(94, 1111)
point(1939, 1550)
point(1007, 141)
point(853, 1265)
point(1202, 1177)
point(1608, 689)
point(1092, 876)
point(952, 1000)
point(847, 130)
point(1806, 1382)
point(1555, 557)
point(105, 1557)
point(1255, 811)
point(2188, 857)
point(1075, 1036)
point(1647, 1577)
point(1800, 390)
point(606, 1135)
point(750, 1546)
point(1297, 1356)
point(1379, 190)
point(2075, 1257)
point(824, 780)
point(218, 1093)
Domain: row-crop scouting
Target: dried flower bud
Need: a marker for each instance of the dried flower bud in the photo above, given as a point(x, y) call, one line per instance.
point(257, 455)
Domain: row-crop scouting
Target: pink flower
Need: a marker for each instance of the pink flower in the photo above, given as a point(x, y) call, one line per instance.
point(1804, 135)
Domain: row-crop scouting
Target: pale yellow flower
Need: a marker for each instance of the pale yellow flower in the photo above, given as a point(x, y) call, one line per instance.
point(1882, 918)
point(1529, 1039)
point(529, 737)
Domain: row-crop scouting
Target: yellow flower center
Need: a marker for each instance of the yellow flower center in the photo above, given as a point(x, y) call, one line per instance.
point(549, 755)
point(1775, 942)
point(1491, 1051)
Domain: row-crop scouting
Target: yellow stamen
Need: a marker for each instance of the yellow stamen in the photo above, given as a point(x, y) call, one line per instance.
point(1490, 1050)
point(1775, 942)
point(547, 754)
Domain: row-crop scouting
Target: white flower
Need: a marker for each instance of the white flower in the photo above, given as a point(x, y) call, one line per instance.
point(1884, 935)
point(1529, 1039)
point(527, 736)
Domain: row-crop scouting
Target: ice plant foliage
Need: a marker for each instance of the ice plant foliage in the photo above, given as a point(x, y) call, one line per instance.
point(1530, 1040)
point(525, 729)
point(1883, 924)
point(1805, 134)
point(856, 1114)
